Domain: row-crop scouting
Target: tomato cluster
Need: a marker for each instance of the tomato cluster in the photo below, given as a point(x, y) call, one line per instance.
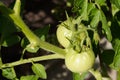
point(79, 56)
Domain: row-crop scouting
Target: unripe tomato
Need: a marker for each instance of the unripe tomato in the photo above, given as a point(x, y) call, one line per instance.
point(79, 62)
point(63, 36)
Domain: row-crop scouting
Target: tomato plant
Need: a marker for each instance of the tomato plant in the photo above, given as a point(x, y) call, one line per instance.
point(90, 30)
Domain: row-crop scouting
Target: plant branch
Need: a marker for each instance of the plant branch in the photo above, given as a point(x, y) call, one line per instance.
point(17, 7)
point(96, 74)
point(35, 59)
point(34, 40)
point(0, 56)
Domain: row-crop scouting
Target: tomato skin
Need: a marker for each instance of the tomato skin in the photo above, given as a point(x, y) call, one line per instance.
point(62, 34)
point(79, 62)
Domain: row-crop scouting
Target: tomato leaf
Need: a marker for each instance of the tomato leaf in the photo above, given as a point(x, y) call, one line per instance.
point(24, 42)
point(29, 77)
point(76, 5)
point(96, 38)
point(7, 30)
point(39, 70)
point(116, 60)
point(83, 11)
point(115, 26)
point(80, 7)
point(105, 26)
point(91, 6)
point(116, 2)
point(95, 15)
point(100, 2)
point(9, 73)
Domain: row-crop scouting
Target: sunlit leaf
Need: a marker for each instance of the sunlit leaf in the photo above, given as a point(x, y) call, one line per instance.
point(91, 6)
point(77, 5)
point(83, 11)
point(81, 7)
point(96, 37)
point(105, 26)
point(100, 2)
point(9, 73)
point(116, 60)
point(39, 70)
point(116, 2)
point(95, 14)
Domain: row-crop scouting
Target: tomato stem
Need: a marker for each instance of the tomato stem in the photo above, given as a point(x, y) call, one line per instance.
point(90, 29)
point(35, 59)
point(96, 74)
point(0, 56)
point(33, 39)
point(21, 58)
point(17, 7)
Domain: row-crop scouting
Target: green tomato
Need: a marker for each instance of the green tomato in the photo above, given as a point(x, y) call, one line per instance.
point(63, 36)
point(79, 62)
point(66, 32)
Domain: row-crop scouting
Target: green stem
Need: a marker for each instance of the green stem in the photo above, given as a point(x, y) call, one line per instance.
point(118, 75)
point(1, 39)
point(17, 7)
point(0, 56)
point(41, 58)
point(28, 33)
point(24, 28)
point(96, 74)
point(33, 38)
point(88, 28)
point(21, 58)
